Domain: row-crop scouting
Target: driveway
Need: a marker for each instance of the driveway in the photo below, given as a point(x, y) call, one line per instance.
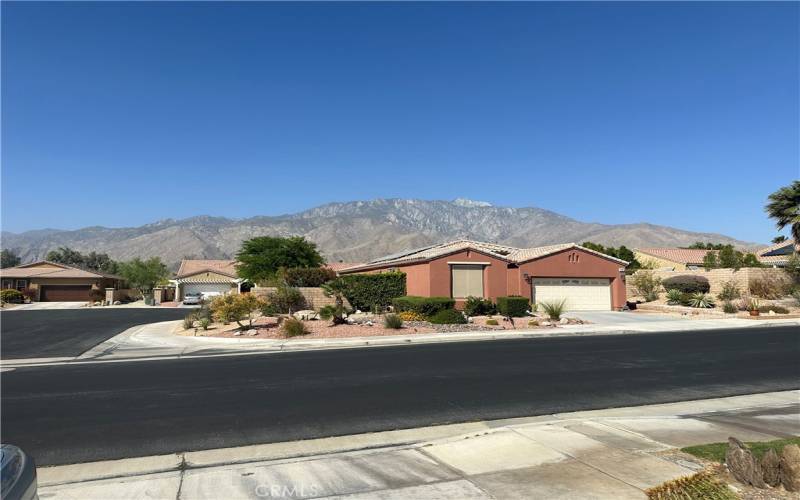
point(70, 332)
point(44, 306)
point(622, 318)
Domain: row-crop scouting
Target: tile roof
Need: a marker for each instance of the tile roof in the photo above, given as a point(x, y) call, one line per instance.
point(194, 266)
point(778, 246)
point(681, 255)
point(54, 270)
point(338, 266)
point(504, 252)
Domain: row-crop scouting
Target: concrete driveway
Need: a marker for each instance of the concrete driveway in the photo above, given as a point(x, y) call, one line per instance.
point(45, 306)
point(622, 318)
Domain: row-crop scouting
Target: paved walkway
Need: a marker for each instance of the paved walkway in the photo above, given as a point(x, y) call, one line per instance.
point(615, 453)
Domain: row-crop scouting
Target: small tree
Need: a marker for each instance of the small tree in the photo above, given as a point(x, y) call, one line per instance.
point(793, 268)
point(8, 258)
point(710, 261)
point(730, 258)
point(67, 256)
point(336, 289)
point(144, 275)
point(236, 307)
point(750, 260)
point(260, 258)
point(646, 284)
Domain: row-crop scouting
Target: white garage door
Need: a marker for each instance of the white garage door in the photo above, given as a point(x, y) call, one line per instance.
point(582, 294)
point(206, 287)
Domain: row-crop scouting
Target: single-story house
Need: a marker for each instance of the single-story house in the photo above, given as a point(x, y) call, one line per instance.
point(675, 259)
point(587, 279)
point(204, 276)
point(338, 266)
point(778, 254)
point(53, 282)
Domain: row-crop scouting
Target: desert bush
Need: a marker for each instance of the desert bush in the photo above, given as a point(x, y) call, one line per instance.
point(97, 294)
point(188, 322)
point(729, 308)
point(426, 306)
point(700, 485)
point(646, 284)
point(236, 307)
point(491, 322)
point(328, 312)
point(554, 309)
point(306, 276)
point(285, 299)
point(411, 316)
point(701, 300)
point(293, 328)
point(11, 296)
point(393, 321)
point(675, 297)
point(533, 322)
point(770, 286)
point(749, 304)
point(204, 322)
point(476, 306)
point(730, 291)
point(774, 307)
point(364, 291)
point(448, 317)
point(513, 306)
point(687, 283)
point(30, 293)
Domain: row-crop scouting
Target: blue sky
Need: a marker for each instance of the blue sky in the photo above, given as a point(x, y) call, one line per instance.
point(119, 114)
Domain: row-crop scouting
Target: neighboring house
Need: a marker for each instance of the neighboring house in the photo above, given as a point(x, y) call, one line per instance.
point(338, 266)
point(199, 276)
point(778, 254)
point(587, 279)
point(49, 281)
point(674, 259)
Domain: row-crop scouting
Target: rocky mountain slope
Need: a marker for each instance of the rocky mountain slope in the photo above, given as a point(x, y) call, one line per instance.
point(353, 231)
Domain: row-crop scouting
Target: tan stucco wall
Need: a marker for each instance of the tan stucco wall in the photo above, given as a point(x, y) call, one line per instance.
point(717, 277)
point(652, 262)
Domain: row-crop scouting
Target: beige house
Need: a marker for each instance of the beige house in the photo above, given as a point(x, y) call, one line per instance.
point(675, 259)
point(778, 254)
point(207, 276)
point(46, 281)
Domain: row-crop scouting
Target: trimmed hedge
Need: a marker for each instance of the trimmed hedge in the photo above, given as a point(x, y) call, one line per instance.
point(513, 306)
point(365, 291)
point(12, 296)
point(448, 317)
point(307, 276)
point(476, 306)
point(426, 306)
point(687, 283)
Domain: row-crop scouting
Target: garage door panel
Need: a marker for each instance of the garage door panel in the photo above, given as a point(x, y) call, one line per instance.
point(581, 294)
point(206, 288)
point(65, 293)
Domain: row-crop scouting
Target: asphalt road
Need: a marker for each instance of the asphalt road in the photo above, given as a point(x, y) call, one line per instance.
point(70, 332)
point(67, 414)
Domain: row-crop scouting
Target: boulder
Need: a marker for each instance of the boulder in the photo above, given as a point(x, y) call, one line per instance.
point(117, 303)
point(564, 321)
point(771, 468)
point(742, 464)
point(306, 314)
point(790, 467)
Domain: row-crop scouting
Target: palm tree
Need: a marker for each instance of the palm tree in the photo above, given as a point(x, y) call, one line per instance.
point(784, 207)
point(779, 239)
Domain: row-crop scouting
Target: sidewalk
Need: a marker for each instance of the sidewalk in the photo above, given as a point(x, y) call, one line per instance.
point(156, 340)
point(614, 453)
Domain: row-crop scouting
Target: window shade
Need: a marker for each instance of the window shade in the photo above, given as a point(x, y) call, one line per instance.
point(467, 281)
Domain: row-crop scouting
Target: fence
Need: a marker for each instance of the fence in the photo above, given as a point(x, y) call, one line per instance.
point(716, 277)
point(315, 297)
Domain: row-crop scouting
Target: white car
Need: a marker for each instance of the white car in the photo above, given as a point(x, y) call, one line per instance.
point(191, 299)
point(207, 296)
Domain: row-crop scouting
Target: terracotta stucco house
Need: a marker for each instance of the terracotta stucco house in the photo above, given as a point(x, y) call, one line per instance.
point(588, 279)
point(50, 281)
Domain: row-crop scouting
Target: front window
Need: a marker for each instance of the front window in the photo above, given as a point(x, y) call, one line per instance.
point(21, 285)
point(467, 280)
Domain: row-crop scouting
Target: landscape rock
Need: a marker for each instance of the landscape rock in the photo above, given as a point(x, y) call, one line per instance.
point(544, 323)
point(236, 334)
point(742, 464)
point(790, 467)
point(771, 468)
point(306, 314)
point(564, 321)
point(117, 303)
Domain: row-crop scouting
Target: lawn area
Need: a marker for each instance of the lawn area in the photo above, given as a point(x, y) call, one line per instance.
point(716, 451)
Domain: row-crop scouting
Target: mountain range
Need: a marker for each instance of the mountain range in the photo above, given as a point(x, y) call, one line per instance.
point(354, 231)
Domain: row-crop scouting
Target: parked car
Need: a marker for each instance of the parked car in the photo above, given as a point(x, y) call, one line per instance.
point(17, 474)
point(193, 298)
point(207, 296)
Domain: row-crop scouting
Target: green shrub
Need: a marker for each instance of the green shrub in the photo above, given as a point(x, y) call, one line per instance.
point(730, 291)
point(294, 328)
point(701, 300)
point(188, 322)
point(11, 296)
point(729, 308)
point(674, 297)
point(426, 306)
point(776, 308)
point(327, 312)
point(554, 309)
point(393, 321)
point(306, 276)
point(285, 299)
point(448, 317)
point(491, 322)
point(646, 284)
point(700, 485)
point(513, 306)
point(687, 283)
point(364, 291)
point(476, 306)
point(204, 322)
